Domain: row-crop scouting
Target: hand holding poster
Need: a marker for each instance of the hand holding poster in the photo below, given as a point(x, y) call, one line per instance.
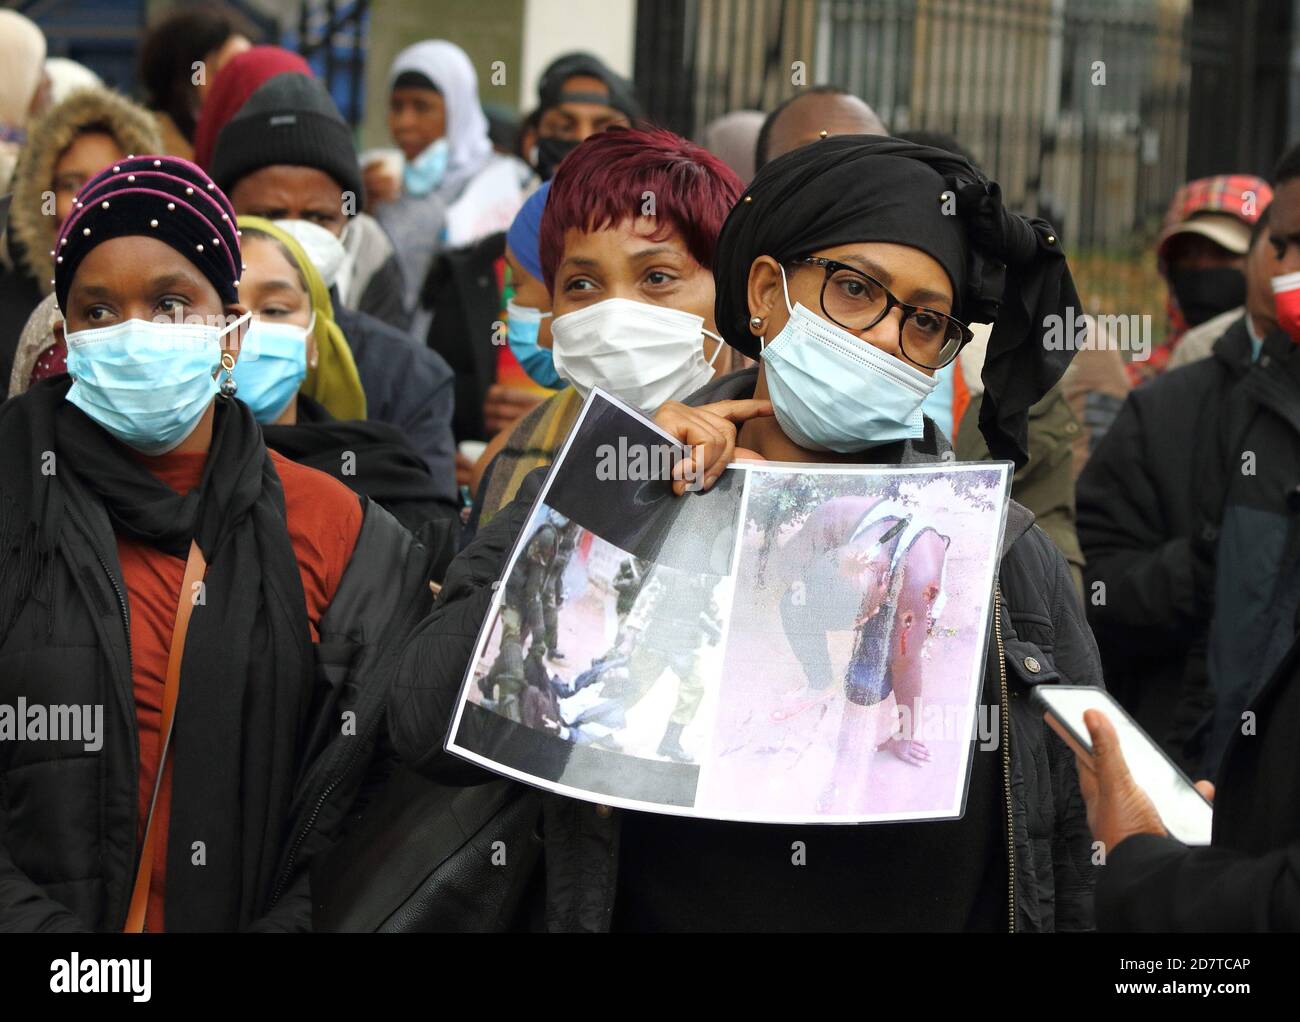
point(803, 643)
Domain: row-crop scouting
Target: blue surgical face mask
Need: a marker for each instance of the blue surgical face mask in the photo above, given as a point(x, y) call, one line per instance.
point(148, 384)
point(522, 326)
point(938, 403)
point(423, 174)
point(833, 391)
point(272, 365)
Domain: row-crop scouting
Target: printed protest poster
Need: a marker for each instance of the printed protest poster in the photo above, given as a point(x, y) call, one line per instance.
point(855, 648)
point(799, 644)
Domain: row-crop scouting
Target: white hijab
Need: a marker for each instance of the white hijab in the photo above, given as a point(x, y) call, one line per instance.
point(449, 68)
point(67, 77)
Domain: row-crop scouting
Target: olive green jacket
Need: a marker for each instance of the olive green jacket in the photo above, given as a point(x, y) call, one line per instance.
point(1045, 484)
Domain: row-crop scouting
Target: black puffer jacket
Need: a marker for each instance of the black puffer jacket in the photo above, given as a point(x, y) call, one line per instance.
point(1042, 625)
point(68, 816)
point(1187, 516)
point(406, 386)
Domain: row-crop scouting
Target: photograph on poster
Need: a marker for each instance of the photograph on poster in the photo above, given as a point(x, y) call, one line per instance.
point(599, 647)
point(855, 644)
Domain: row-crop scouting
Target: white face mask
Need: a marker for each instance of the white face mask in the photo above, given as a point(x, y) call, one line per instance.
point(322, 248)
point(642, 354)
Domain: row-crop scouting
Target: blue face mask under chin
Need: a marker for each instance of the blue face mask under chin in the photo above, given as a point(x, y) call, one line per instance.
point(522, 326)
point(148, 384)
point(833, 391)
point(423, 174)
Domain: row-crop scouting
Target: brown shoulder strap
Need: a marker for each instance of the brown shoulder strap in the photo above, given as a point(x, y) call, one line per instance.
point(195, 566)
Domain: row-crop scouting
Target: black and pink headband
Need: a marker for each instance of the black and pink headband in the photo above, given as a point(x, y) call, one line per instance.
point(155, 196)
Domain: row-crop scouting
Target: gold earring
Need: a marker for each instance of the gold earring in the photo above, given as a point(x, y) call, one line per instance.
point(228, 385)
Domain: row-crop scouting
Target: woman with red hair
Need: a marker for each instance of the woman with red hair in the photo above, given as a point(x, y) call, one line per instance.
point(626, 248)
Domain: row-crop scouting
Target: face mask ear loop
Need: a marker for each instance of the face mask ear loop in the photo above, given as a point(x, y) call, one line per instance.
point(785, 292)
point(512, 306)
point(236, 324)
point(233, 326)
point(716, 350)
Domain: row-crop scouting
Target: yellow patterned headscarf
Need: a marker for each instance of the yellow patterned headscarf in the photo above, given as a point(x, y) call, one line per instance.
point(335, 382)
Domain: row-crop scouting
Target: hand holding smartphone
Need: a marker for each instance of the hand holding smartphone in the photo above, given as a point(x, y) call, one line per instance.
point(1185, 812)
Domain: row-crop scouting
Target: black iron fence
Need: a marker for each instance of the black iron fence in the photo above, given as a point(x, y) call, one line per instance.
point(1081, 109)
point(331, 34)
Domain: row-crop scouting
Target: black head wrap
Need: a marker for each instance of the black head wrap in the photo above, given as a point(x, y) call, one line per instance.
point(161, 197)
point(1005, 269)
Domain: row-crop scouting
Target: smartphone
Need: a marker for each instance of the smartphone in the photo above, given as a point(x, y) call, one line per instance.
point(1183, 809)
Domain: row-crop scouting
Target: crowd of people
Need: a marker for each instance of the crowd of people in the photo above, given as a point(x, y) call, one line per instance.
point(277, 411)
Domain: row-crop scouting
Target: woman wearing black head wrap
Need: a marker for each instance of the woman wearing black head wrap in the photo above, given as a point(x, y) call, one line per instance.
point(939, 238)
point(849, 269)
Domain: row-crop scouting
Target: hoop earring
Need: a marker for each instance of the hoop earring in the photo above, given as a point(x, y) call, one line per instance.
point(228, 385)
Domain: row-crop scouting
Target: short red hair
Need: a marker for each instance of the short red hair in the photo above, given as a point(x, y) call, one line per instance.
point(602, 182)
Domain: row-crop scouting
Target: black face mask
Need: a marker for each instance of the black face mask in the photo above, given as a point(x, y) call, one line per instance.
point(1203, 294)
point(550, 151)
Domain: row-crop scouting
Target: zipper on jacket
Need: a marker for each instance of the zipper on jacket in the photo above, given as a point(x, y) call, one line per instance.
point(1005, 707)
point(287, 872)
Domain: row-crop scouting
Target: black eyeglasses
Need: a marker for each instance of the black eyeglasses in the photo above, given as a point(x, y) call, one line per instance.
point(857, 302)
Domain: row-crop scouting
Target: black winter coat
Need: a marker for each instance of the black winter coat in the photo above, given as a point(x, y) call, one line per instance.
point(1249, 877)
point(1192, 546)
point(68, 816)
